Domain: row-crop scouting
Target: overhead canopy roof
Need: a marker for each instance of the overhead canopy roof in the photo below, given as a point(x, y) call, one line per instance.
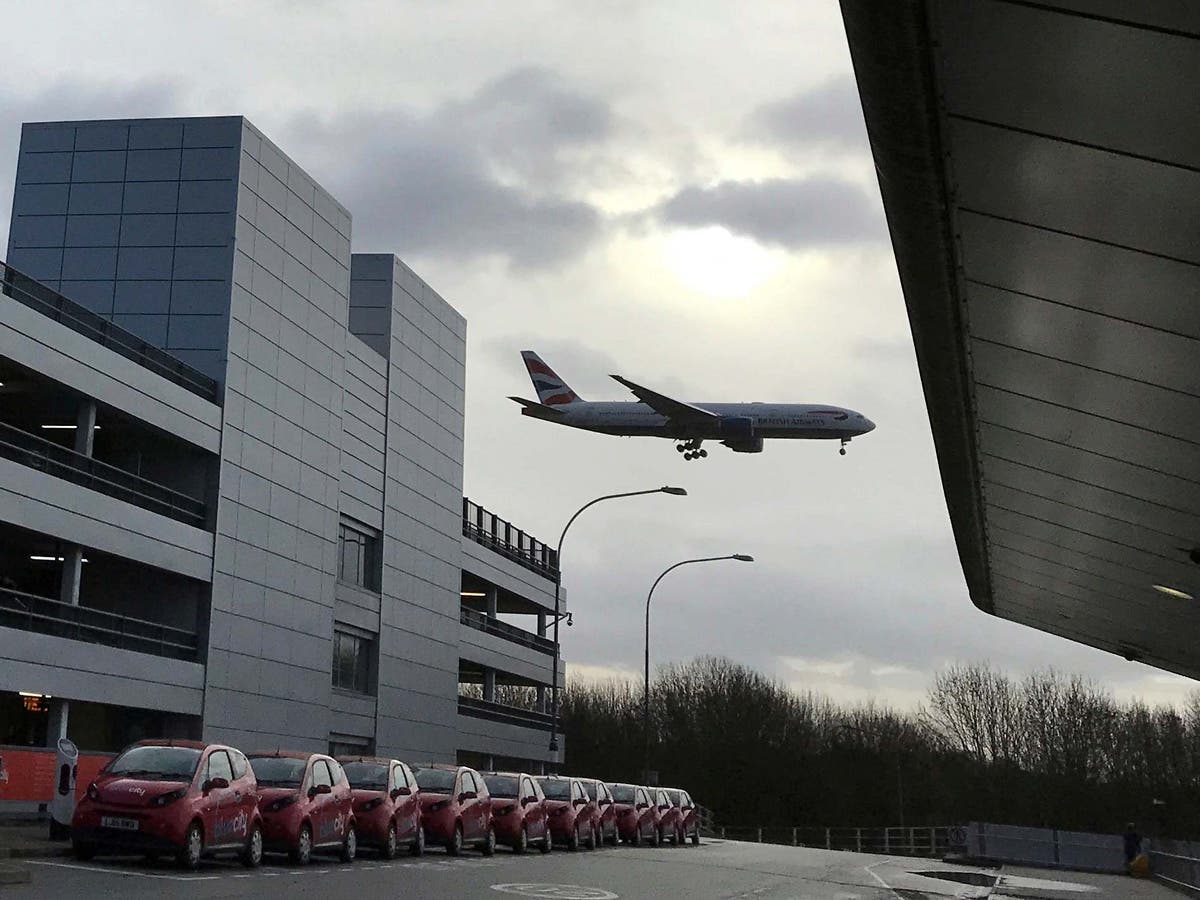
point(1040, 170)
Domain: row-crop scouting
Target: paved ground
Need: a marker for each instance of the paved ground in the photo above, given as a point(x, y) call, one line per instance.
point(718, 869)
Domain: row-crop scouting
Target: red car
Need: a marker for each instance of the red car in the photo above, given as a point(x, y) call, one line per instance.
point(306, 804)
point(606, 810)
point(669, 818)
point(518, 811)
point(182, 797)
point(636, 816)
point(689, 815)
point(387, 804)
point(571, 813)
point(456, 808)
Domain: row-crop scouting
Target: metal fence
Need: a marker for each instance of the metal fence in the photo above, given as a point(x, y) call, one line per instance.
point(501, 712)
point(482, 622)
point(896, 840)
point(503, 537)
point(1177, 863)
point(61, 462)
point(82, 320)
point(1049, 847)
point(29, 612)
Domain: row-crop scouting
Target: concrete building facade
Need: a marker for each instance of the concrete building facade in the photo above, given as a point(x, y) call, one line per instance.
point(231, 456)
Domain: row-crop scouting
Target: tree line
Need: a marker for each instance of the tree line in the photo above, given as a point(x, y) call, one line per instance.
point(1050, 749)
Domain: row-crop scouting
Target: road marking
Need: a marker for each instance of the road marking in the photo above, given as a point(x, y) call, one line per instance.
point(871, 871)
point(556, 891)
point(127, 872)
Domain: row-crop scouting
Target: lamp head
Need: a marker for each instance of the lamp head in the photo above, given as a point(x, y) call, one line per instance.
point(743, 557)
point(676, 491)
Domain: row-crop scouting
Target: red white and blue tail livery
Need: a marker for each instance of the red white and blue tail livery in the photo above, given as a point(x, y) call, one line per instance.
point(742, 427)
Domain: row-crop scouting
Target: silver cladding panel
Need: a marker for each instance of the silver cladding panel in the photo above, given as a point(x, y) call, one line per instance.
point(1070, 145)
point(276, 547)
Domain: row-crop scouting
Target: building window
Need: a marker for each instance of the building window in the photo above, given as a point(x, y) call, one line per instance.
point(352, 662)
point(358, 556)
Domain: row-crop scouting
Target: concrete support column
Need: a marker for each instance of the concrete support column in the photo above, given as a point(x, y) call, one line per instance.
point(72, 573)
point(85, 426)
point(542, 624)
point(489, 685)
point(541, 698)
point(493, 601)
point(56, 721)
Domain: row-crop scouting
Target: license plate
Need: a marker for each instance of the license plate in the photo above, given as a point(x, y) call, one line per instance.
point(117, 822)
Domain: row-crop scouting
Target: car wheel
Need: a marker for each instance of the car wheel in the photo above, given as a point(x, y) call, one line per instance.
point(189, 854)
point(591, 838)
point(390, 846)
point(83, 850)
point(522, 843)
point(349, 845)
point(418, 845)
point(251, 857)
point(302, 852)
point(635, 839)
point(454, 846)
point(573, 838)
point(655, 837)
point(489, 846)
point(696, 838)
point(547, 843)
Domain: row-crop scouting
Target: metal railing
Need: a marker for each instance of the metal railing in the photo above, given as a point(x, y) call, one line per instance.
point(503, 537)
point(30, 612)
point(61, 462)
point(485, 623)
point(82, 320)
point(499, 712)
point(921, 840)
point(1177, 863)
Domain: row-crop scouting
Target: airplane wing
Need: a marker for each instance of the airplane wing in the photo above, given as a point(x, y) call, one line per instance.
point(675, 410)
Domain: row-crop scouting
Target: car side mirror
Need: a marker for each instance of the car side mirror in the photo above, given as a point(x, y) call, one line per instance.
point(525, 801)
point(401, 792)
point(319, 789)
point(467, 795)
point(215, 784)
point(605, 802)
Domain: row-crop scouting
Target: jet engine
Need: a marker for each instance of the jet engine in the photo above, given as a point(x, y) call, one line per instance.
point(745, 445)
point(736, 428)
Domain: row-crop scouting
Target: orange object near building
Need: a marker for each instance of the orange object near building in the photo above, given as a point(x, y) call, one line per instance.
point(27, 773)
point(1140, 867)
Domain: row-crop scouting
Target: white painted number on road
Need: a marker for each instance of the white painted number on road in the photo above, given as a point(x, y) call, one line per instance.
point(556, 891)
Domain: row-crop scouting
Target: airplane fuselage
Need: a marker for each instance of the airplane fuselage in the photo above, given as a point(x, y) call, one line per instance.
point(769, 420)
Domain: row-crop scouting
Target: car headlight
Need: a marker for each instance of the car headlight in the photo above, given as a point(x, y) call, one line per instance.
point(505, 810)
point(93, 792)
point(168, 797)
point(370, 804)
point(282, 803)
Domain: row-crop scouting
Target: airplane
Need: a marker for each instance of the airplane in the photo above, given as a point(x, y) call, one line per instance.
point(742, 427)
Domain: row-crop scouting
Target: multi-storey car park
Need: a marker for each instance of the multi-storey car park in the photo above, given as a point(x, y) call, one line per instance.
point(231, 467)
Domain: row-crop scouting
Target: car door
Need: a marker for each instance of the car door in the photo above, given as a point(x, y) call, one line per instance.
point(244, 794)
point(467, 805)
point(322, 810)
point(343, 797)
point(608, 814)
point(412, 803)
point(210, 798)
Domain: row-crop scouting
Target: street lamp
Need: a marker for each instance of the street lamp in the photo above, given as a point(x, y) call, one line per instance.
point(740, 557)
point(675, 492)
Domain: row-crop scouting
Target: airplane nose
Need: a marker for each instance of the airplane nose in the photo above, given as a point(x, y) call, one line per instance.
point(868, 425)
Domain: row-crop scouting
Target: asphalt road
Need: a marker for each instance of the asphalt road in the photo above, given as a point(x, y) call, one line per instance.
point(717, 869)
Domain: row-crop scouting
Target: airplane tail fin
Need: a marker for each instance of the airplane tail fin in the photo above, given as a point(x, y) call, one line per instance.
point(551, 390)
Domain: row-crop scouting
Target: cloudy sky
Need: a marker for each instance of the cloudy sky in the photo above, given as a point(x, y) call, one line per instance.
point(681, 193)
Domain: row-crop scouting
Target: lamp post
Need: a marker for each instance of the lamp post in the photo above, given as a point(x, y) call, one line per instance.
point(674, 491)
point(740, 557)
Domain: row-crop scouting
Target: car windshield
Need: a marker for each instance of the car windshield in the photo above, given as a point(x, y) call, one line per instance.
point(367, 776)
point(440, 781)
point(156, 762)
point(557, 790)
point(502, 786)
point(278, 771)
point(622, 793)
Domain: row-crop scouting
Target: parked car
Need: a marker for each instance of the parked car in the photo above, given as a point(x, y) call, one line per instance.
point(186, 798)
point(606, 812)
point(668, 817)
point(387, 804)
point(306, 804)
point(689, 815)
point(456, 808)
point(570, 811)
point(518, 811)
point(636, 816)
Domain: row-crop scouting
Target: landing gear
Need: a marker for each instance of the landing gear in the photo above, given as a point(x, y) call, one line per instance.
point(691, 450)
point(842, 449)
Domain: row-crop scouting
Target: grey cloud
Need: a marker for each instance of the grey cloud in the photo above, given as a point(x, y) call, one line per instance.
point(477, 177)
point(816, 211)
point(828, 114)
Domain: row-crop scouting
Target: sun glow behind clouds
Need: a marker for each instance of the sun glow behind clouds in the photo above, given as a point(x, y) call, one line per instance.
point(713, 261)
